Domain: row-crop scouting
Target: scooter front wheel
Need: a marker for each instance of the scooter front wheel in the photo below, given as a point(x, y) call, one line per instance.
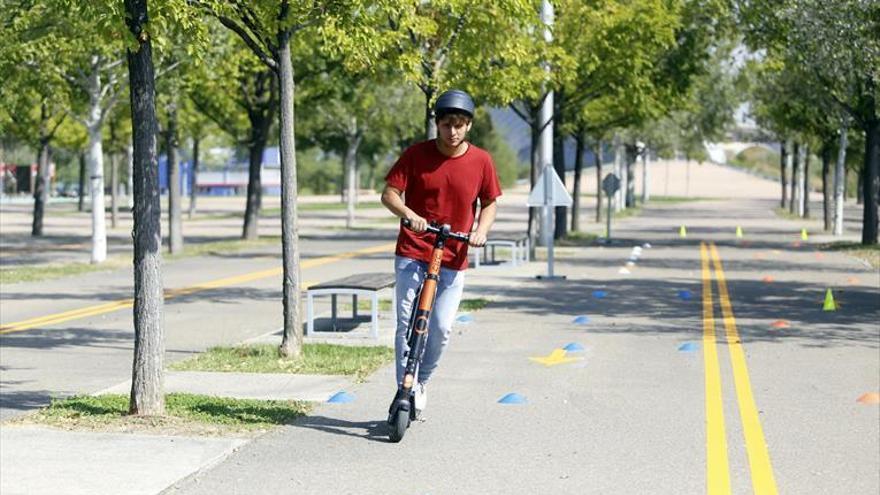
point(397, 425)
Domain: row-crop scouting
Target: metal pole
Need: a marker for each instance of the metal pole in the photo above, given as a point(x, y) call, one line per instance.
point(548, 216)
point(545, 115)
point(608, 221)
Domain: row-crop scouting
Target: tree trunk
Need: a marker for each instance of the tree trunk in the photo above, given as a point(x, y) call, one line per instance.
point(81, 206)
point(535, 157)
point(96, 165)
point(646, 192)
point(147, 397)
point(250, 231)
point(618, 196)
point(840, 180)
point(430, 124)
point(630, 154)
point(860, 186)
point(795, 155)
point(687, 176)
point(805, 201)
point(291, 343)
point(783, 166)
point(349, 164)
point(826, 186)
point(175, 233)
point(598, 156)
point(129, 185)
point(576, 196)
point(194, 177)
point(871, 182)
point(114, 191)
point(561, 212)
point(40, 186)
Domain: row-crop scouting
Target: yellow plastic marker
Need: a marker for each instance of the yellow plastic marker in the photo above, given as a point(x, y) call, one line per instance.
point(829, 305)
point(804, 235)
point(739, 232)
point(682, 232)
point(554, 358)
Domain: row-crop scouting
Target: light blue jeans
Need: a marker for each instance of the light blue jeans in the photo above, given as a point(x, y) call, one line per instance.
point(410, 274)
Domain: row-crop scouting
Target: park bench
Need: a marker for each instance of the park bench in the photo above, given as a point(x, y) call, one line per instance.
point(362, 284)
point(519, 250)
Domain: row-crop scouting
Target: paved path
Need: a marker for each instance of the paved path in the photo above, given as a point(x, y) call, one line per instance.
point(632, 413)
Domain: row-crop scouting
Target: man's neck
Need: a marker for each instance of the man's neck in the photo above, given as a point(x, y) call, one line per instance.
point(451, 152)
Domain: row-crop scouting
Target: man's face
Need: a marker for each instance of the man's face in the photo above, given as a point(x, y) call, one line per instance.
point(452, 129)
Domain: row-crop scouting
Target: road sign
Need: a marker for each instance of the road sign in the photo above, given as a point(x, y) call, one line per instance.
point(610, 184)
point(549, 190)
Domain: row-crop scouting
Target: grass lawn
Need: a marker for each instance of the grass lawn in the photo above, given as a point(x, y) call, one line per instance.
point(577, 239)
point(34, 273)
point(316, 359)
point(363, 205)
point(868, 254)
point(474, 304)
point(58, 270)
point(185, 414)
point(786, 214)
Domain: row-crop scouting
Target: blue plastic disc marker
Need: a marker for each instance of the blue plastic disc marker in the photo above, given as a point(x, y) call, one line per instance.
point(687, 347)
point(465, 318)
point(573, 347)
point(599, 294)
point(341, 398)
point(685, 295)
point(512, 398)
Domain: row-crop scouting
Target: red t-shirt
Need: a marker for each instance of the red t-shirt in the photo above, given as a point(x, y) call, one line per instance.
point(444, 190)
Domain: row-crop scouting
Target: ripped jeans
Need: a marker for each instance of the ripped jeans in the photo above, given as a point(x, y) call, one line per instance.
point(410, 274)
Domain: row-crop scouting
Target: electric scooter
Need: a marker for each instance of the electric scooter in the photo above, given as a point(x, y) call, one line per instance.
point(402, 410)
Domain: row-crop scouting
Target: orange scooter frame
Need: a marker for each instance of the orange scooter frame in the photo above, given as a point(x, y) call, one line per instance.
point(402, 410)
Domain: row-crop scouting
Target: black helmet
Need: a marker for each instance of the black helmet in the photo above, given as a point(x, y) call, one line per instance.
point(454, 100)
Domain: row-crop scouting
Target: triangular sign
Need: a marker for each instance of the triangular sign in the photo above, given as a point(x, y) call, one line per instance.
point(549, 190)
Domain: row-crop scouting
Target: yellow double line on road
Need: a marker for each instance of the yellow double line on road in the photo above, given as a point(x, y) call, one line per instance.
point(717, 465)
point(100, 309)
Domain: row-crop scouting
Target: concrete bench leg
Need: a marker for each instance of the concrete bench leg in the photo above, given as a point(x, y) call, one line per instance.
point(333, 312)
point(310, 313)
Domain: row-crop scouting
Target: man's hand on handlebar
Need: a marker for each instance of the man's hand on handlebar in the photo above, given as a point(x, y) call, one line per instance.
point(477, 239)
point(416, 223)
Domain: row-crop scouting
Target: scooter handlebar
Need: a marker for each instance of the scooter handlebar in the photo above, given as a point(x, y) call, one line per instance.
point(438, 229)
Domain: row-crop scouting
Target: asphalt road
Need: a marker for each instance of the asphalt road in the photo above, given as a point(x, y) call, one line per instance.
point(684, 385)
point(750, 408)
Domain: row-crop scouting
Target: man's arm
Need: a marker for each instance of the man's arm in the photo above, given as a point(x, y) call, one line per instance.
point(392, 198)
point(487, 218)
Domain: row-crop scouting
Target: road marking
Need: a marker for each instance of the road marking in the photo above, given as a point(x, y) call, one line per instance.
point(99, 309)
point(717, 465)
point(759, 459)
point(554, 358)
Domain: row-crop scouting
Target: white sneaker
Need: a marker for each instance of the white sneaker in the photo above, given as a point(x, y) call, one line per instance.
point(421, 397)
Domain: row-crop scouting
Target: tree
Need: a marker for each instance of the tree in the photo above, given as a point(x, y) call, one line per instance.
point(36, 100)
point(196, 126)
point(239, 94)
point(453, 43)
point(838, 51)
point(35, 118)
point(119, 139)
point(634, 62)
point(147, 396)
point(267, 28)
